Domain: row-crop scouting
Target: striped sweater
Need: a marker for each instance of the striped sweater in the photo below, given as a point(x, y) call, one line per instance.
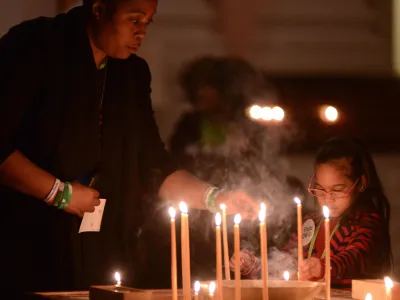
point(357, 248)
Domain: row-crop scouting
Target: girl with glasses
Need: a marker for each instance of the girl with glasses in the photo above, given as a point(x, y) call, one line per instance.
point(345, 179)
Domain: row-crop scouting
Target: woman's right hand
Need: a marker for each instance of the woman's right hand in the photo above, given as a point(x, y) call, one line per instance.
point(84, 199)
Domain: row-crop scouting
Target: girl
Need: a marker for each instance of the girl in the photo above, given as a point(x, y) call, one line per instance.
point(345, 179)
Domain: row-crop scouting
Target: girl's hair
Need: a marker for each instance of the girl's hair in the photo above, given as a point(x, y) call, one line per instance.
point(361, 164)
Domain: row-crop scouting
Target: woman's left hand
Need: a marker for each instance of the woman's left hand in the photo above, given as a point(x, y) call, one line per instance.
point(310, 268)
point(239, 202)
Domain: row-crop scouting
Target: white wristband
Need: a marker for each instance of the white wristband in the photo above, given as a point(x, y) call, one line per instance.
point(53, 191)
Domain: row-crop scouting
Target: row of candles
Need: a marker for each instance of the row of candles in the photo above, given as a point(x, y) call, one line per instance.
point(221, 219)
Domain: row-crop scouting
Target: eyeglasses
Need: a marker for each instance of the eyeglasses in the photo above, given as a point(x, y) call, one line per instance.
point(334, 194)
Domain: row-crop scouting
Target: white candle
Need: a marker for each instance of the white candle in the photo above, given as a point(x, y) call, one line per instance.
point(286, 275)
point(388, 286)
point(238, 291)
point(327, 254)
point(264, 256)
point(219, 255)
point(368, 297)
point(196, 290)
point(211, 290)
point(118, 279)
point(299, 235)
point(225, 241)
point(185, 251)
point(174, 279)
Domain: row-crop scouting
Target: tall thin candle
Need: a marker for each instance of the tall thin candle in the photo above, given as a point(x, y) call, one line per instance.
point(388, 286)
point(174, 280)
point(236, 231)
point(327, 254)
point(264, 256)
point(219, 256)
point(299, 235)
point(225, 241)
point(185, 251)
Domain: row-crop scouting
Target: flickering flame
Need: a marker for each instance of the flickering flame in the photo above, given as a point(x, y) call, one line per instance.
point(388, 283)
point(183, 207)
point(255, 112)
point(211, 288)
point(278, 113)
point(297, 200)
point(286, 275)
point(263, 206)
point(368, 297)
point(237, 219)
point(197, 287)
point(218, 219)
point(261, 215)
point(172, 212)
point(325, 209)
point(117, 277)
point(223, 206)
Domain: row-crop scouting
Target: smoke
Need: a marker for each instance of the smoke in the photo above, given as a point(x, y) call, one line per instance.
point(279, 262)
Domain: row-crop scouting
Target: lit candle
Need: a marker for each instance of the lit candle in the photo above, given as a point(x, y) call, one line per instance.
point(389, 286)
point(118, 279)
point(219, 255)
point(185, 249)
point(368, 297)
point(211, 290)
point(225, 240)
point(174, 280)
point(327, 254)
point(196, 290)
point(299, 235)
point(264, 257)
point(286, 275)
point(236, 231)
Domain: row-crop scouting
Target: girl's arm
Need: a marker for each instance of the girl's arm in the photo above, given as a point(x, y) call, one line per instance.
point(364, 241)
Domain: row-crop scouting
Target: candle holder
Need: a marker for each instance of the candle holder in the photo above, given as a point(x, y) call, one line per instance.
point(375, 287)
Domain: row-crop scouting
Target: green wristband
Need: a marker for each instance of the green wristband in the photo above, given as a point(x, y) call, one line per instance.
point(210, 199)
point(59, 196)
point(67, 195)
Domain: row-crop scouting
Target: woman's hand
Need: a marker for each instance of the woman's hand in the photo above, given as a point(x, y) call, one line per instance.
point(310, 268)
point(239, 202)
point(83, 200)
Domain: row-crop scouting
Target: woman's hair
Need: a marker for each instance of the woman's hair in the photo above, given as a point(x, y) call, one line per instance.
point(361, 164)
point(236, 81)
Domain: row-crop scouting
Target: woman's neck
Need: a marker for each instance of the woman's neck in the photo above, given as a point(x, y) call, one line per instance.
point(98, 55)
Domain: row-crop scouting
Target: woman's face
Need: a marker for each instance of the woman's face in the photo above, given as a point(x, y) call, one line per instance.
point(334, 187)
point(119, 35)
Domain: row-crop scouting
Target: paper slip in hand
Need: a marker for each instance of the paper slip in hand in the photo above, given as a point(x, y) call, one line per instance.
point(91, 222)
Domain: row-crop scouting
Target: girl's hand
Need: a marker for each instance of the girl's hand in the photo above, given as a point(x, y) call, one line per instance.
point(310, 268)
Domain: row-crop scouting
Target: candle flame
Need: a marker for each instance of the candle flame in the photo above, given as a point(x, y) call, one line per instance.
point(297, 200)
point(325, 209)
point(261, 215)
point(223, 206)
point(368, 297)
point(263, 206)
point(183, 207)
point(388, 283)
point(197, 287)
point(237, 219)
point(211, 288)
point(172, 212)
point(117, 277)
point(286, 275)
point(218, 219)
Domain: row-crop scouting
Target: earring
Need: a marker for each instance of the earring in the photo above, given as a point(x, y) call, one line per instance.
point(362, 189)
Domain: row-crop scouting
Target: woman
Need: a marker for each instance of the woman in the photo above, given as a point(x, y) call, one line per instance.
point(76, 111)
